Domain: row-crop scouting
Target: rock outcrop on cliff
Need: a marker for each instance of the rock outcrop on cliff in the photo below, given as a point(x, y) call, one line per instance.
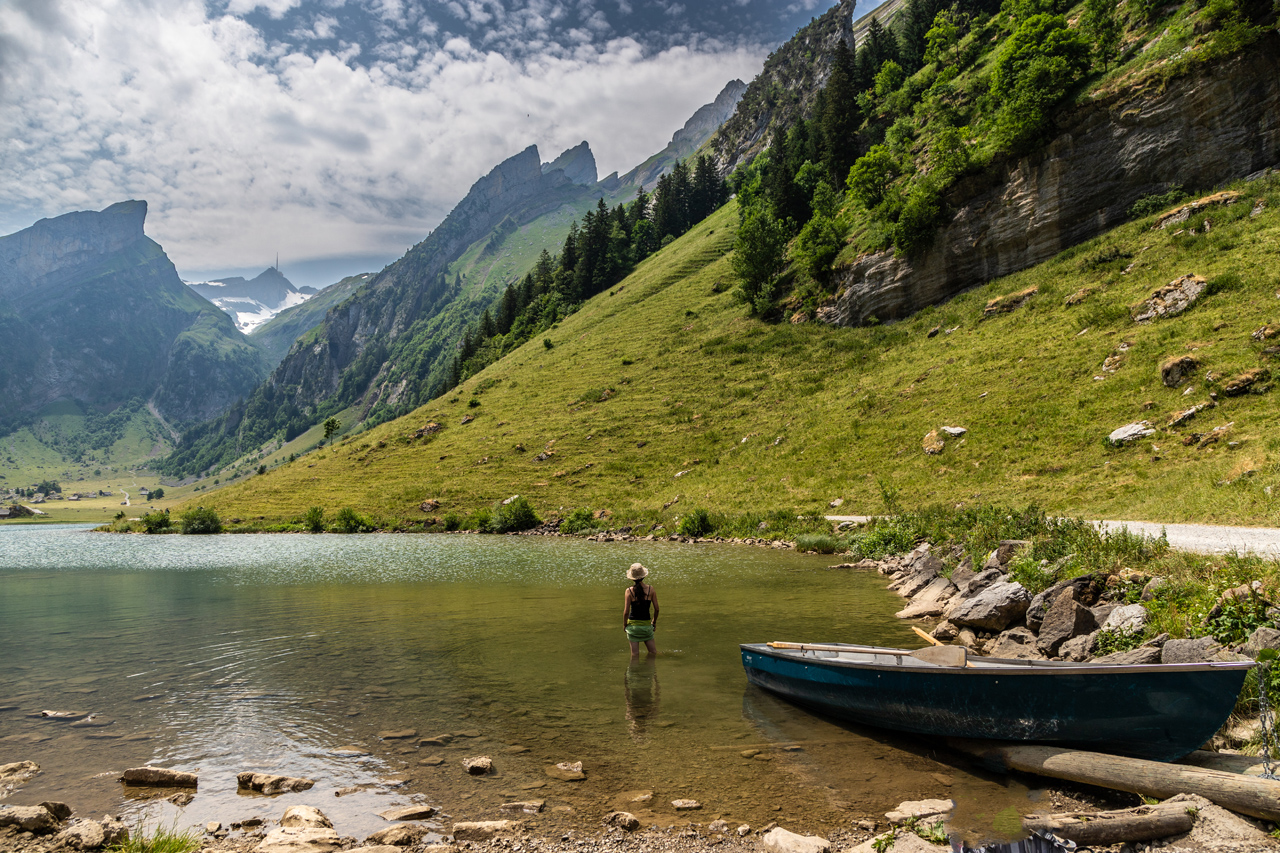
point(92, 310)
point(1199, 131)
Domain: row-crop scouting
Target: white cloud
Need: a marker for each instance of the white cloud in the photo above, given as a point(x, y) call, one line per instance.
point(244, 146)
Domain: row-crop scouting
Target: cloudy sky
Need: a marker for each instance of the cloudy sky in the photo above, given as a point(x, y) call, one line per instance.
point(339, 132)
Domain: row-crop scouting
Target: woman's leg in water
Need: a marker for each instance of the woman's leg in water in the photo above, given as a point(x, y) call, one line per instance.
point(651, 645)
point(635, 649)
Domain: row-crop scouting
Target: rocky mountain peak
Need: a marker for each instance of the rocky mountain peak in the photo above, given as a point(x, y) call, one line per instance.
point(577, 163)
point(709, 117)
point(68, 241)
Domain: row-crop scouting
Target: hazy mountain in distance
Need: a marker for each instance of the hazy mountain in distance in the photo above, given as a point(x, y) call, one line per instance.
point(254, 301)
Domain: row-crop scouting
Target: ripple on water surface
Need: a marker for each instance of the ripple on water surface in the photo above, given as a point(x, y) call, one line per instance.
point(375, 664)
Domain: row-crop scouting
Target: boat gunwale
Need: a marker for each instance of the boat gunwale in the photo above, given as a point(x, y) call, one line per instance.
point(1006, 666)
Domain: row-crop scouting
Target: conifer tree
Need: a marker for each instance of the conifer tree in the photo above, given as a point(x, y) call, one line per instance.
point(840, 116)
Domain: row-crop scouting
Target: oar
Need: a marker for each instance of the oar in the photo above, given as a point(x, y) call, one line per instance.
point(933, 641)
point(938, 655)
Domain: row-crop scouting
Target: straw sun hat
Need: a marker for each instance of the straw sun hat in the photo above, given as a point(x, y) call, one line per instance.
point(636, 572)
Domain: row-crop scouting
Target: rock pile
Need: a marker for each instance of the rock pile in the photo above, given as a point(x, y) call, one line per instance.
point(1079, 619)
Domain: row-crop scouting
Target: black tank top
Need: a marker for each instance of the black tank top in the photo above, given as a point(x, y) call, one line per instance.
point(639, 604)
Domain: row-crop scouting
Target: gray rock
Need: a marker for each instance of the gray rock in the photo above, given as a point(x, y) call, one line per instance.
point(1018, 643)
point(1085, 588)
point(84, 835)
point(686, 805)
point(994, 609)
point(1171, 299)
point(718, 826)
point(981, 581)
point(267, 783)
point(400, 835)
point(159, 777)
point(624, 820)
point(1065, 620)
point(1102, 611)
point(929, 601)
point(963, 573)
point(1130, 433)
point(1262, 638)
point(1153, 587)
point(1127, 617)
point(1078, 649)
point(945, 631)
point(35, 819)
point(387, 848)
point(16, 772)
point(418, 812)
point(1141, 655)
point(481, 830)
point(114, 831)
point(921, 573)
point(526, 806)
point(779, 840)
point(285, 839)
point(920, 810)
point(478, 765)
point(1004, 553)
point(182, 799)
point(61, 811)
point(1190, 651)
point(567, 771)
point(305, 816)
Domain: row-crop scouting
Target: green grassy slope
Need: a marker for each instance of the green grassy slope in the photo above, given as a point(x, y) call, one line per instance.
point(664, 389)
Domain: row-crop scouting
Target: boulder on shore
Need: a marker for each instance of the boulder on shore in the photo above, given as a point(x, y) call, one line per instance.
point(779, 840)
point(994, 609)
point(35, 819)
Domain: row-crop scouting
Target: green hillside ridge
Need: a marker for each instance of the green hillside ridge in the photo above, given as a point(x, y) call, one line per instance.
point(277, 335)
point(662, 395)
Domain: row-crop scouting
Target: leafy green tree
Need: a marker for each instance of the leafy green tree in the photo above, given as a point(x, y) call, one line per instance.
point(817, 245)
point(313, 519)
point(840, 116)
point(1101, 24)
point(201, 521)
point(156, 494)
point(889, 79)
point(1033, 72)
point(156, 522)
point(870, 176)
point(332, 424)
point(758, 258)
point(514, 516)
point(942, 36)
point(349, 521)
point(948, 153)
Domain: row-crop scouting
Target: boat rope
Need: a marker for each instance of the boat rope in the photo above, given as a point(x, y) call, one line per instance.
point(1266, 718)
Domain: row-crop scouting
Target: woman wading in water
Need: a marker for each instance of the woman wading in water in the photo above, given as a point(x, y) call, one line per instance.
point(636, 616)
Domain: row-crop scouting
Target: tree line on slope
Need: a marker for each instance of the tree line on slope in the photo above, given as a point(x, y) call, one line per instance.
point(596, 255)
point(937, 96)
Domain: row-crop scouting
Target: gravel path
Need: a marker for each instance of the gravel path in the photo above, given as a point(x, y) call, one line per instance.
point(1196, 538)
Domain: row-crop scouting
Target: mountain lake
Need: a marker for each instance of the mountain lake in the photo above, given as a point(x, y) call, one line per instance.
point(375, 664)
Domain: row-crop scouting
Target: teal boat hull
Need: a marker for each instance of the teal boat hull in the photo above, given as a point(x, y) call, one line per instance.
point(1159, 712)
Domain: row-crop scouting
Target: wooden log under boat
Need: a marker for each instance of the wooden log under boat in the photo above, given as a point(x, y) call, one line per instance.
point(1249, 795)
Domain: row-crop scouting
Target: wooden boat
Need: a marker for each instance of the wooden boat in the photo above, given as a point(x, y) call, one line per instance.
point(1159, 712)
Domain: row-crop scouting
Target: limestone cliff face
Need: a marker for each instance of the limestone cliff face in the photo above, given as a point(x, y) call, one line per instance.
point(66, 242)
point(1217, 125)
point(380, 312)
point(92, 310)
point(786, 88)
point(578, 165)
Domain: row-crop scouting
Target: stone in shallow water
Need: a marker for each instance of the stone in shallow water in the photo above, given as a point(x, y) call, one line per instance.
point(478, 765)
point(398, 734)
point(417, 812)
point(526, 806)
point(781, 840)
point(400, 835)
point(482, 830)
point(567, 771)
point(623, 820)
point(268, 784)
point(305, 816)
point(36, 819)
point(159, 777)
point(432, 761)
point(686, 805)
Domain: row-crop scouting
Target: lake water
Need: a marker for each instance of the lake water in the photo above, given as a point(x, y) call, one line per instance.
point(299, 655)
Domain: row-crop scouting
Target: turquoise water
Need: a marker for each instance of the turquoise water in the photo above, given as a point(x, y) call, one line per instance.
point(300, 655)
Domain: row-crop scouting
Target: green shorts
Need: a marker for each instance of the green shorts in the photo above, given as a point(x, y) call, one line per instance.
point(639, 631)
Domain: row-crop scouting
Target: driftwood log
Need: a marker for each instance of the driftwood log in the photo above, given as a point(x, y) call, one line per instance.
point(1249, 795)
point(1144, 823)
point(1250, 765)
